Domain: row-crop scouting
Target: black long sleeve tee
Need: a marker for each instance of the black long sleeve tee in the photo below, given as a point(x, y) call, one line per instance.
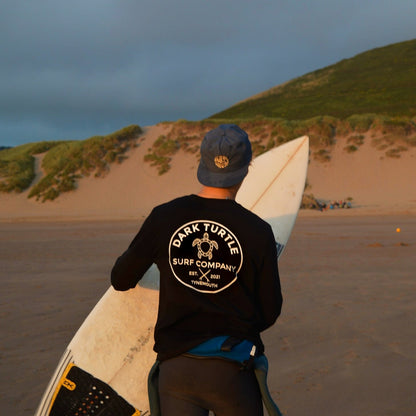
point(218, 272)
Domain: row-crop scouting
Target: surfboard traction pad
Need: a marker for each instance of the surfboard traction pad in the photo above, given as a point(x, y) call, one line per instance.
point(81, 394)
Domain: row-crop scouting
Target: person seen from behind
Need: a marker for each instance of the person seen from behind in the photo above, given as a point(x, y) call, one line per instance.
point(219, 287)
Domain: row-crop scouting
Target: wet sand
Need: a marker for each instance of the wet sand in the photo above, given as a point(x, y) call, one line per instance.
point(344, 345)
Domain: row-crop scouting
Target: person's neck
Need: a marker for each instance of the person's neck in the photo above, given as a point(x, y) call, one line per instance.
point(218, 193)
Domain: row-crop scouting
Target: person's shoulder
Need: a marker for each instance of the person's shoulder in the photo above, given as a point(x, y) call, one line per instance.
point(253, 218)
point(174, 203)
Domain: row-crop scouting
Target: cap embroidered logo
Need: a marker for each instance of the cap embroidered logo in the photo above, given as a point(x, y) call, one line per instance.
point(221, 161)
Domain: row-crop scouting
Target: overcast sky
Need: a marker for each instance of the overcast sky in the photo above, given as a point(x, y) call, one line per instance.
point(73, 69)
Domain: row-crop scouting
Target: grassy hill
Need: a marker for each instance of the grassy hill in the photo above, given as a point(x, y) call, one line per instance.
point(64, 162)
point(371, 95)
point(381, 81)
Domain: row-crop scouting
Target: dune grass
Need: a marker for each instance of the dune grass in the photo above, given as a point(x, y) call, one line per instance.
point(17, 165)
point(266, 133)
point(64, 162)
point(183, 135)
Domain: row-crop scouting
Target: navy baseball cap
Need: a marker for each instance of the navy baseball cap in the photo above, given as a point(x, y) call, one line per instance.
point(225, 156)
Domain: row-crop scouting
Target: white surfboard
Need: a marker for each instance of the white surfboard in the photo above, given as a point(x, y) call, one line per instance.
point(106, 364)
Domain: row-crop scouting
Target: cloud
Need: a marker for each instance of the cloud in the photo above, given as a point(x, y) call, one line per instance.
point(78, 68)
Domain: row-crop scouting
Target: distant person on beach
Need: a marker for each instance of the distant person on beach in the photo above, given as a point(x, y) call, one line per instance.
point(219, 287)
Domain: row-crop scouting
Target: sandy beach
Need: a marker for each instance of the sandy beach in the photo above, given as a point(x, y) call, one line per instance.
point(345, 342)
point(343, 345)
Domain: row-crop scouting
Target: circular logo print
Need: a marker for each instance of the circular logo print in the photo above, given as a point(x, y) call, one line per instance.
point(221, 161)
point(205, 256)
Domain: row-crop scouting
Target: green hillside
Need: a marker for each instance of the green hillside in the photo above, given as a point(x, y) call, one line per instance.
point(371, 96)
point(381, 81)
point(64, 162)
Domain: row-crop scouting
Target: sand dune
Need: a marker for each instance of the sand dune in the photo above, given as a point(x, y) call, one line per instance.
point(377, 184)
point(129, 190)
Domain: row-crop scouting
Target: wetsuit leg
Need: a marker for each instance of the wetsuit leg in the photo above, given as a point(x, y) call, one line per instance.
point(193, 386)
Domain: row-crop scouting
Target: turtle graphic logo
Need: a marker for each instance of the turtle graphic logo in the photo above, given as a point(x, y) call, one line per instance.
point(205, 256)
point(203, 243)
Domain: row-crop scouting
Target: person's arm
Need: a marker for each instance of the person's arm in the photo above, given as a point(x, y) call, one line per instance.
point(130, 267)
point(270, 294)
